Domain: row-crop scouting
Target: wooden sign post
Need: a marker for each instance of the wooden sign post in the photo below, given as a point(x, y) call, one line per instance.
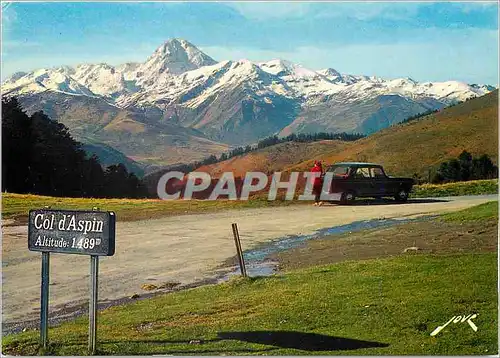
point(239, 251)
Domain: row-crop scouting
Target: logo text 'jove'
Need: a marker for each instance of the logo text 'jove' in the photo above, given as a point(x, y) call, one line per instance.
point(457, 319)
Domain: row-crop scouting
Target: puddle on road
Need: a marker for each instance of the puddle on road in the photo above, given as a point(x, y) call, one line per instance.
point(254, 269)
point(258, 262)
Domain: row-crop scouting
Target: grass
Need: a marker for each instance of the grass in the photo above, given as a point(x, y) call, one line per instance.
point(381, 306)
point(17, 206)
point(473, 187)
point(374, 307)
point(484, 211)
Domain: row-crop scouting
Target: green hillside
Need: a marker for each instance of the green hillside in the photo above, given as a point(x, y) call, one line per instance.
point(404, 149)
point(420, 145)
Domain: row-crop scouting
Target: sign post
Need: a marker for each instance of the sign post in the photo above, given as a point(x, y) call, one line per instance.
point(94, 272)
point(239, 252)
point(71, 232)
point(44, 300)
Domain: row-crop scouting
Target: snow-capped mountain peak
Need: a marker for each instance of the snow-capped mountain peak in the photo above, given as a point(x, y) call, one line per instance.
point(41, 80)
point(101, 79)
point(172, 58)
point(178, 74)
point(284, 68)
point(176, 56)
point(336, 77)
point(330, 72)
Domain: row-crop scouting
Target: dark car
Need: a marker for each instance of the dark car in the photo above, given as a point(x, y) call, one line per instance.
point(361, 180)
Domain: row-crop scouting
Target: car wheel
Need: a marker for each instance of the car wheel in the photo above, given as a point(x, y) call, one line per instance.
point(348, 198)
point(402, 195)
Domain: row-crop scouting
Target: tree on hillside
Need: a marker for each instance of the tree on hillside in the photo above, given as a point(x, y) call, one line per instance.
point(264, 143)
point(465, 167)
point(94, 175)
point(16, 147)
point(465, 161)
point(419, 116)
point(57, 160)
point(120, 183)
point(483, 168)
point(41, 157)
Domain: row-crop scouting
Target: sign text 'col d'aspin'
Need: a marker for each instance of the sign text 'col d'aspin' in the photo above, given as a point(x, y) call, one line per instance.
point(72, 232)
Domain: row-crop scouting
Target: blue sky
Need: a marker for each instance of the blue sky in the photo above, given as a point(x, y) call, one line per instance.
point(426, 41)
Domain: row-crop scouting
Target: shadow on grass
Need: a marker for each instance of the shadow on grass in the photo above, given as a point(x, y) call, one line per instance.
point(300, 340)
point(277, 339)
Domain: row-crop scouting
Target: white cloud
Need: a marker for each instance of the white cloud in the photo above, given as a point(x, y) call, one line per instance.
point(470, 56)
point(359, 10)
point(270, 10)
point(369, 10)
point(9, 16)
point(467, 7)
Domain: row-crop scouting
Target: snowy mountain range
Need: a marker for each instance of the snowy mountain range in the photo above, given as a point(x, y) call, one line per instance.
point(180, 104)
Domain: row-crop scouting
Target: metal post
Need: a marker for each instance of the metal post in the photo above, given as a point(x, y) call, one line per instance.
point(44, 300)
point(238, 250)
point(94, 269)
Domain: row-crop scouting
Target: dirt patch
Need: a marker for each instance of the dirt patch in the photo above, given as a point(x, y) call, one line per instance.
point(436, 237)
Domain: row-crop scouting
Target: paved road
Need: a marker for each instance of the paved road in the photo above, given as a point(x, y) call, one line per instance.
point(185, 249)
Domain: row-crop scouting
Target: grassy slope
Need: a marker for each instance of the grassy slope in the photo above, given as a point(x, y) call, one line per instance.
point(17, 206)
point(419, 145)
point(471, 230)
point(484, 211)
point(395, 302)
point(274, 158)
point(403, 149)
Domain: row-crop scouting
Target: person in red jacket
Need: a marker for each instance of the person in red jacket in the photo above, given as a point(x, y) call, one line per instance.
point(317, 182)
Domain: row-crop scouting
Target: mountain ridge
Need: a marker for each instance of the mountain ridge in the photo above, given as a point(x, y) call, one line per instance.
point(228, 103)
point(177, 57)
point(405, 149)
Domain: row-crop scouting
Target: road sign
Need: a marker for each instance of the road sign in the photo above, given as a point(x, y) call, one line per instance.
point(72, 232)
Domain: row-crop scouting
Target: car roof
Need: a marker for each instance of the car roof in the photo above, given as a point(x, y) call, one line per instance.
point(357, 164)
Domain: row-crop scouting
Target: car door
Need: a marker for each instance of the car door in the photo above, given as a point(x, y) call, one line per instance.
point(379, 181)
point(363, 182)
